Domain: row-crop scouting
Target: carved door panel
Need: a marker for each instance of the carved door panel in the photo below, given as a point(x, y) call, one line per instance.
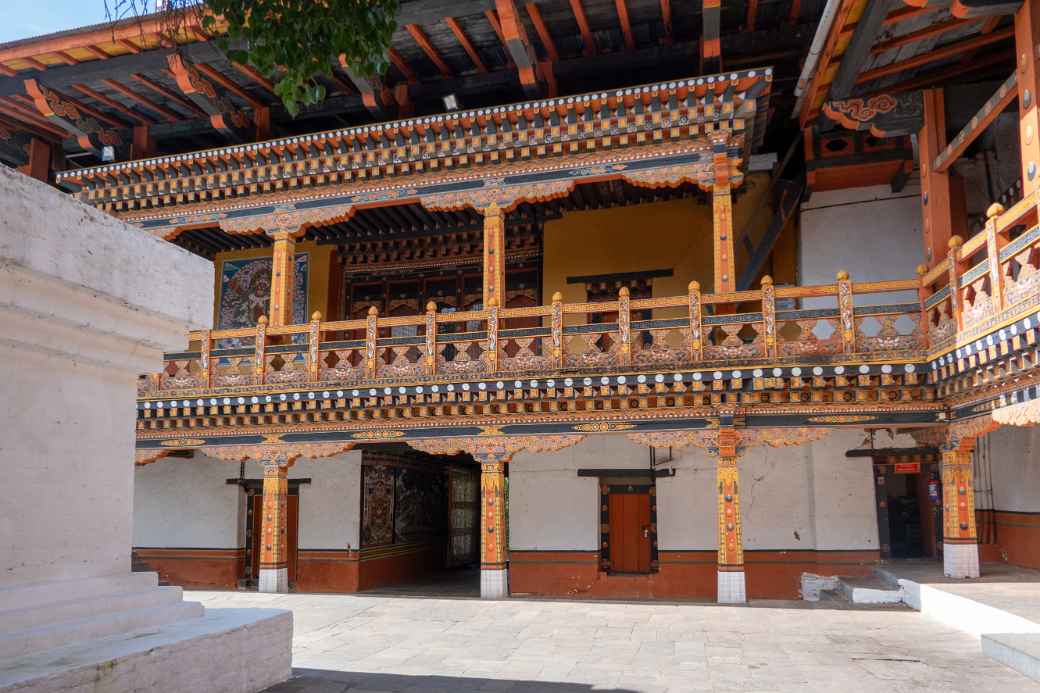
point(630, 531)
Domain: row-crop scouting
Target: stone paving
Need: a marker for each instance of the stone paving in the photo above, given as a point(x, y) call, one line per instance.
point(364, 643)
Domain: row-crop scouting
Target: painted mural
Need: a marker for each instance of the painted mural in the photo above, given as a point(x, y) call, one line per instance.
point(402, 505)
point(245, 291)
point(377, 505)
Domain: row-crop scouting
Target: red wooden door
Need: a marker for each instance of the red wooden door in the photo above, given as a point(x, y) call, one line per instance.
point(630, 532)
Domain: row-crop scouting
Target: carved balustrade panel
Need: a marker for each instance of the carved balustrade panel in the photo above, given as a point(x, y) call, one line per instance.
point(740, 338)
point(462, 354)
point(658, 345)
point(941, 325)
point(888, 332)
point(591, 346)
point(977, 299)
point(234, 369)
point(1022, 276)
point(285, 366)
point(181, 374)
point(343, 364)
point(400, 357)
point(808, 332)
point(525, 350)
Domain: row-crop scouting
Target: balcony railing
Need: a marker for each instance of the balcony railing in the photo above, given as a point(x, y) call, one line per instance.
point(695, 330)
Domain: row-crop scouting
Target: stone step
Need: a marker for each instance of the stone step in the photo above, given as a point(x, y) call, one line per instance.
point(25, 596)
point(872, 589)
point(1020, 651)
point(27, 642)
point(15, 620)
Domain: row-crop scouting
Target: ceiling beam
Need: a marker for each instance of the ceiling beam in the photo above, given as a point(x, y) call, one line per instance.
point(518, 44)
point(466, 44)
point(752, 15)
point(711, 41)
point(113, 104)
point(30, 118)
point(74, 120)
point(374, 94)
point(855, 57)
point(969, 9)
point(626, 24)
point(402, 66)
point(666, 20)
point(932, 56)
point(230, 85)
point(588, 41)
point(543, 31)
point(168, 94)
point(255, 75)
point(168, 115)
point(919, 35)
point(419, 36)
point(228, 120)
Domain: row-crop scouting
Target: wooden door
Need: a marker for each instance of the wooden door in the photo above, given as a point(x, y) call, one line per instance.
point(292, 535)
point(630, 532)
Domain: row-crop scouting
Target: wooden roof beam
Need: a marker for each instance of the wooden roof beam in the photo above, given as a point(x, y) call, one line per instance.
point(419, 36)
point(752, 16)
point(932, 56)
point(543, 31)
point(168, 115)
point(402, 66)
point(867, 30)
point(666, 20)
point(225, 118)
point(254, 74)
point(466, 44)
point(588, 41)
point(230, 85)
point(168, 94)
point(919, 35)
point(96, 52)
point(140, 118)
point(20, 119)
point(519, 46)
point(69, 116)
point(626, 24)
point(129, 45)
point(374, 94)
point(711, 41)
point(994, 106)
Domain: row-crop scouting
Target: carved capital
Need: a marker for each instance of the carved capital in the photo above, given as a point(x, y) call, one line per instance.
point(288, 219)
point(495, 198)
point(275, 452)
point(730, 442)
point(491, 449)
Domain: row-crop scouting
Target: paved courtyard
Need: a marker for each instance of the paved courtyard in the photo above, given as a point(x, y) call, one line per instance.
point(361, 643)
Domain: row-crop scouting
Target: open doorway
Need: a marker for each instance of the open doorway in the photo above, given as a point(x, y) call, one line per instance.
point(420, 522)
point(909, 502)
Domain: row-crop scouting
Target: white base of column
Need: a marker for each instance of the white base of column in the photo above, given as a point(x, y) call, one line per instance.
point(494, 584)
point(731, 588)
point(961, 560)
point(273, 580)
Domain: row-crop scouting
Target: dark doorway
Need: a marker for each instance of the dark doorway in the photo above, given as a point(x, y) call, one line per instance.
point(630, 529)
point(908, 504)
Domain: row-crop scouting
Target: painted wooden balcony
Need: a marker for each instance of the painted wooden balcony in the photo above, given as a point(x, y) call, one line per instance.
point(849, 323)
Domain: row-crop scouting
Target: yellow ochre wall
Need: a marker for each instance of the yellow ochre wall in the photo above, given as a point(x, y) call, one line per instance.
point(319, 258)
point(676, 235)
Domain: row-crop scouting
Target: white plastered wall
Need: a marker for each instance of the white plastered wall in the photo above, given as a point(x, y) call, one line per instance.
point(870, 232)
point(330, 505)
point(187, 503)
point(1014, 454)
point(801, 497)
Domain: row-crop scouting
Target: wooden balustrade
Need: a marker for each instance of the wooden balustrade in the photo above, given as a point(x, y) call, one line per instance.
point(666, 332)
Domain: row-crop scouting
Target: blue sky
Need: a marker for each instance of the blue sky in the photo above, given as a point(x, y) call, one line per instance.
point(24, 18)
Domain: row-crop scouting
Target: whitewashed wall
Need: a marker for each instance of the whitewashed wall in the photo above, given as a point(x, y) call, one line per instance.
point(186, 503)
point(803, 497)
point(870, 232)
point(1014, 454)
point(330, 506)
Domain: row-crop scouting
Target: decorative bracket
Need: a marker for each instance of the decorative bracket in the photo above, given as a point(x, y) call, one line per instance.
point(224, 116)
point(884, 115)
point(495, 448)
point(87, 131)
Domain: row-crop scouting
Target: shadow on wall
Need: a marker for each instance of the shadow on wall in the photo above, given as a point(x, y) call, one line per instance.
point(326, 681)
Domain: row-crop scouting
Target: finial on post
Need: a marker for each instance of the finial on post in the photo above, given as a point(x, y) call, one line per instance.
point(922, 269)
point(994, 210)
point(431, 307)
point(492, 302)
point(316, 316)
point(693, 286)
point(557, 297)
point(842, 276)
point(956, 242)
point(767, 279)
point(262, 320)
point(623, 292)
point(373, 312)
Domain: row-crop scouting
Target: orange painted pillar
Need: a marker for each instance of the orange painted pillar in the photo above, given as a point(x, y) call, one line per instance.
point(1027, 43)
point(494, 570)
point(494, 255)
point(732, 585)
point(274, 567)
point(960, 541)
point(283, 279)
point(936, 203)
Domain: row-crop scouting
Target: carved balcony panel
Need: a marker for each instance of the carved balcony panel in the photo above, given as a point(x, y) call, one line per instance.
point(234, 371)
point(524, 354)
point(661, 347)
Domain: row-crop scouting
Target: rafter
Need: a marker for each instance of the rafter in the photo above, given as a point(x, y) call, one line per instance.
point(711, 42)
point(69, 60)
point(919, 35)
point(402, 66)
point(101, 116)
point(254, 74)
point(30, 117)
point(229, 84)
point(466, 44)
point(932, 56)
point(752, 15)
point(518, 45)
point(626, 25)
point(71, 117)
point(543, 31)
point(129, 45)
point(166, 113)
point(168, 94)
point(588, 42)
point(666, 20)
point(868, 28)
point(35, 64)
point(223, 115)
point(419, 36)
point(374, 94)
point(113, 104)
point(97, 52)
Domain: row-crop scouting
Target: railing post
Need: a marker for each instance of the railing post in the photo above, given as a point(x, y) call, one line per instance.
point(953, 256)
point(996, 277)
point(431, 339)
point(313, 343)
point(371, 333)
point(624, 322)
point(205, 378)
point(922, 297)
point(845, 312)
point(259, 346)
point(696, 344)
point(492, 335)
point(557, 330)
point(769, 315)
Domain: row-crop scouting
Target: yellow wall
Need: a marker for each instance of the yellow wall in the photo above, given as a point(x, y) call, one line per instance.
point(318, 260)
point(675, 235)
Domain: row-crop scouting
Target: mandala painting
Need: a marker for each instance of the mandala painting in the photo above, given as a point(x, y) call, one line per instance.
point(245, 291)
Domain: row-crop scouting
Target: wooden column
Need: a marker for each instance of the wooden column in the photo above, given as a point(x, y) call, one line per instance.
point(494, 572)
point(274, 567)
point(936, 203)
point(731, 582)
point(283, 270)
point(39, 165)
point(725, 269)
point(960, 542)
point(1027, 43)
point(494, 255)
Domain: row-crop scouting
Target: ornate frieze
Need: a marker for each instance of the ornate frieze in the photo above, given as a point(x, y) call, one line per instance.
point(495, 448)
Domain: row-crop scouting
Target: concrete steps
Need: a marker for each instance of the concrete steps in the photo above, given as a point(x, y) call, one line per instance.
point(870, 590)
